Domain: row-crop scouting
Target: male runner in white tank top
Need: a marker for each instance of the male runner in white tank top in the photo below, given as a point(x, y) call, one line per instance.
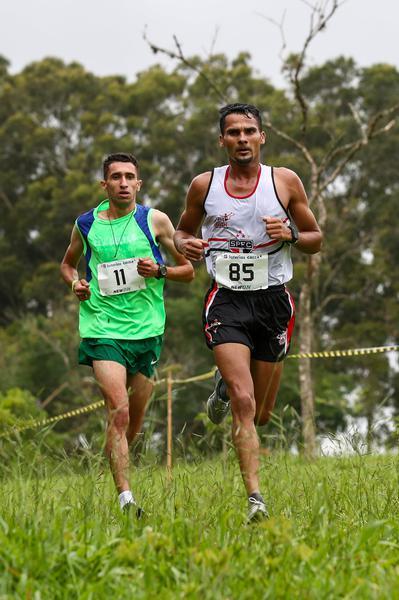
point(251, 215)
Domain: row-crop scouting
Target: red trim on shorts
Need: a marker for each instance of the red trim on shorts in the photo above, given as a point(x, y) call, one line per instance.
point(208, 304)
point(291, 322)
point(210, 298)
point(240, 197)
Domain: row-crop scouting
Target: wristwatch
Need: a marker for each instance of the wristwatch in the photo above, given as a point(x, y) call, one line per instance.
point(162, 271)
point(294, 234)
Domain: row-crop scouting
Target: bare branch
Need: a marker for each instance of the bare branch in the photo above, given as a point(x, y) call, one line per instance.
point(305, 151)
point(336, 150)
point(358, 120)
point(316, 25)
point(385, 129)
point(180, 57)
point(309, 5)
point(328, 279)
point(54, 394)
point(56, 346)
point(280, 27)
point(6, 200)
point(320, 15)
point(213, 43)
point(321, 305)
point(352, 149)
point(386, 113)
point(367, 132)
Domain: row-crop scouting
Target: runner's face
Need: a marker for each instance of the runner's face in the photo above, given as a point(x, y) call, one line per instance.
point(122, 183)
point(242, 139)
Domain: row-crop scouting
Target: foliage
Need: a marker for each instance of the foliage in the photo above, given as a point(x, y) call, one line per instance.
point(333, 530)
point(17, 406)
point(57, 121)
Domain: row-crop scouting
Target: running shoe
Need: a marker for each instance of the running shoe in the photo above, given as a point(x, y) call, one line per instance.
point(257, 510)
point(218, 404)
point(133, 506)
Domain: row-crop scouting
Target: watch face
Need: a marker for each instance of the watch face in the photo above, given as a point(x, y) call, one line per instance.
point(163, 270)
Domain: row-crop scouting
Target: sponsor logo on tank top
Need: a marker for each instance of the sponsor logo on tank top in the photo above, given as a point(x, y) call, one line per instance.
point(222, 221)
point(244, 245)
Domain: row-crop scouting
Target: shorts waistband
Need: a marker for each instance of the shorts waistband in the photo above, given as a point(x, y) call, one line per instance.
point(272, 289)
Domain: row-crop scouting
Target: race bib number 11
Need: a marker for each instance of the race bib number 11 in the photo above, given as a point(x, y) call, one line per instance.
point(119, 277)
point(242, 271)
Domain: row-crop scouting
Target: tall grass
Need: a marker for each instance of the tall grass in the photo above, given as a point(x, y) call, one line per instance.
point(333, 533)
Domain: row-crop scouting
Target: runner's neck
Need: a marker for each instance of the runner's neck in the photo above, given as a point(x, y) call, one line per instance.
point(242, 181)
point(116, 212)
point(243, 172)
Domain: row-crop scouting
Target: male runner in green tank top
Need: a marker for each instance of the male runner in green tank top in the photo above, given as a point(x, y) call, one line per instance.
point(122, 314)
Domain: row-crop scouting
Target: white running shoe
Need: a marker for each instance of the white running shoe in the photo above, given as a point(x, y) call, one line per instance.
point(128, 503)
point(218, 404)
point(257, 510)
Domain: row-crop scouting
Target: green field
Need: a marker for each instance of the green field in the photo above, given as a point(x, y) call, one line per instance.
point(334, 530)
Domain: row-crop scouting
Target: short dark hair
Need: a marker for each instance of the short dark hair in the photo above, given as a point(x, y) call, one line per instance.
point(240, 109)
point(119, 157)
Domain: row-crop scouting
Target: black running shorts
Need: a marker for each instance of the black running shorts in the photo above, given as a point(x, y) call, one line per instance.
point(263, 320)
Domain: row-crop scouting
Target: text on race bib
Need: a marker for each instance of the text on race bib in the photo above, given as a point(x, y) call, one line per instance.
point(245, 272)
point(119, 277)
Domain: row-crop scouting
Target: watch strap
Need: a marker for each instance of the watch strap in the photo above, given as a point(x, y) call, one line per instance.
point(294, 234)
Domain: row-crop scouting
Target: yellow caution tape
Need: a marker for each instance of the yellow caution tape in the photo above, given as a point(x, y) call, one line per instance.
point(33, 424)
point(352, 352)
point(203, 377)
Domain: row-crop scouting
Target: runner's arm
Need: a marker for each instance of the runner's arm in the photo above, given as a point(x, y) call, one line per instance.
point(186, 240)
point(69, 264)
point(292, 194)
point(164, 230)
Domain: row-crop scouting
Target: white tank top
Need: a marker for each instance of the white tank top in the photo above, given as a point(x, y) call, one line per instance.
point(233, 226)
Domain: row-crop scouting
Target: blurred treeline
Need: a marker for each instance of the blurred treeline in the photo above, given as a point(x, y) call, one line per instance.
point(58, 121)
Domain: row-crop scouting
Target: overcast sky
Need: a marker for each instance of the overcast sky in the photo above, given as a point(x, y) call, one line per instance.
point(107, 37)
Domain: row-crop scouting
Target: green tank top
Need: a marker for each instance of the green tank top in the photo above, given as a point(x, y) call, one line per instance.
point(131, 315)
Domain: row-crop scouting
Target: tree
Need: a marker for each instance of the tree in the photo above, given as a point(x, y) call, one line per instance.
point(331, 119)
point(57, 121)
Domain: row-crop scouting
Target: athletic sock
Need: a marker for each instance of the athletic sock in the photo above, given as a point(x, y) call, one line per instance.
point(126, 497)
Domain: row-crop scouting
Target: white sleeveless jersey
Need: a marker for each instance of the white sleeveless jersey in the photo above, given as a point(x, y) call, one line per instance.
point(233, 226)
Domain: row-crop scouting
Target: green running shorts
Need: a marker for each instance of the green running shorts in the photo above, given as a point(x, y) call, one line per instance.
point(138, 356)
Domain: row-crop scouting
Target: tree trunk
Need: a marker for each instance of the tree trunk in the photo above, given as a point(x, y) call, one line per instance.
point(305, 371)
point(306, 328)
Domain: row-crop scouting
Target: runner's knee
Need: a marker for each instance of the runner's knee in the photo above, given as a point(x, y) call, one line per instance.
point(119, 418)
point(242, 402)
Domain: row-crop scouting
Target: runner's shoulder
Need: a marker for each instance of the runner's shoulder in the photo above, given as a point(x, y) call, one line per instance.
point(200, 184)
point(288, 178)
point(288, 175)
point(160, 220)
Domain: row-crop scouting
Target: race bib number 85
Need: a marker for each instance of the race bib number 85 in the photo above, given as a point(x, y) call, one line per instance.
point(119, 277)
point(242, 271)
